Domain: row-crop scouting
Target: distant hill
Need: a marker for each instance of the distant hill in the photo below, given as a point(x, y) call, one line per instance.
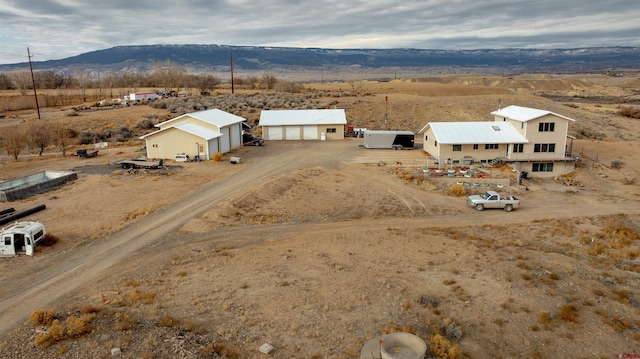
point(216, 58)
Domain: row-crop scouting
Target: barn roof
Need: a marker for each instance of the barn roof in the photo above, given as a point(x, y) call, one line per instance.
point(524, 114)
point(460, 133)
point(191, 128)
point(213, 116)
point(302, 117)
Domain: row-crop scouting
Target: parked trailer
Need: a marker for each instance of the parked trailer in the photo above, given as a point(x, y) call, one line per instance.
point(143, 96)
point(396, 140)
point(21, 238)
point(141, 164)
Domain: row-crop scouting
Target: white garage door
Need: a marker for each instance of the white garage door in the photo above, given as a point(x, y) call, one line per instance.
point(310, 133)
point(236, 136)
point(274, 133)
point(292, 132)
point(225, 140)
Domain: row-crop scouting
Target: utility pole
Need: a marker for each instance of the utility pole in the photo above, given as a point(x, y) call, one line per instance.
point(33, 80)
point(386, 98)
point(231, 66)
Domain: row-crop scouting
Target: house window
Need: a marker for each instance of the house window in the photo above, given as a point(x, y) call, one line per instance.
point(435, 143)
point(491, 146)
point(457, 148)
point(544, 147)
point(546, 126)
point(456, 162)
point(475, 146)
point(518, 148)
point(331, 130)
point(426, 138)
point(542, 167)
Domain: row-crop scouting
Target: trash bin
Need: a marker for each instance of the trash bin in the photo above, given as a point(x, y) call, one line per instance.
point(524, 174)
point(235, 160)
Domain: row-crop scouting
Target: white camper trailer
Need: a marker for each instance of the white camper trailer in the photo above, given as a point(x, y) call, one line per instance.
point(21, 238)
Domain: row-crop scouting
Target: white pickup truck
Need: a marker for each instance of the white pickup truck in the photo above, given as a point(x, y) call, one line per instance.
point(492, 199)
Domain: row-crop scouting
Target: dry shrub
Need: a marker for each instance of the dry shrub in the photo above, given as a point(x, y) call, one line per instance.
point(89, 308)
point(222, 349)
point(42, 317)
point(124, 321)
point(441, 348)
point(569, 313)
point(217, 157)
point(408, 177)
point(595, 249)
point(544, 318)
point(143, 297)
point(48, 240)
point(395, 327)
point(72, 327)
point(458, 190)
point(167, 321)
point(630, 111)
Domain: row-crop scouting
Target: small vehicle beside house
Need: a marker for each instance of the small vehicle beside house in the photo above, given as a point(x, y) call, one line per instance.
point(492, 199)
point(249, 139)
point(182, 157)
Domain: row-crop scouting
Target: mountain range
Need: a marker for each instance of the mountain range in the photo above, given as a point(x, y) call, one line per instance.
point(217, 58)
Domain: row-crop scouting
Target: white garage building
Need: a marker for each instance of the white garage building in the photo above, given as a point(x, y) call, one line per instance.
point(196, 134)
point(302, 124)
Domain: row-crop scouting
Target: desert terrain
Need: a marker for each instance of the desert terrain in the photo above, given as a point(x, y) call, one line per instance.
point(319, 247)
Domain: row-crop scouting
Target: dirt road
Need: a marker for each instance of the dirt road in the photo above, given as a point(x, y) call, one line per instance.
point(52, 279)
point(22, 293)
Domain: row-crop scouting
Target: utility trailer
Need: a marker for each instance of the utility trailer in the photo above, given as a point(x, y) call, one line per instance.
point(135, 163)
point(396, 140)
point(83, 153)
point(21, 238)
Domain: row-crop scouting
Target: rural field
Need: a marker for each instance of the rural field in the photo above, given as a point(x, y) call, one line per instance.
point(317, 248)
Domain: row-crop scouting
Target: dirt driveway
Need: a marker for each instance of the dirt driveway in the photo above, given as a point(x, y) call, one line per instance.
point(316, 247)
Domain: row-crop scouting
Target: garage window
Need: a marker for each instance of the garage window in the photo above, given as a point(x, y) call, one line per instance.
point(331, 130)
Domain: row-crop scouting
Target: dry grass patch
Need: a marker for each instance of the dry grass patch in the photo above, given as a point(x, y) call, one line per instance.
point(42, 317)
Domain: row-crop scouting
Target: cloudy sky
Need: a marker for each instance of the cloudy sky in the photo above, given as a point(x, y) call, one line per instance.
point(56, 29)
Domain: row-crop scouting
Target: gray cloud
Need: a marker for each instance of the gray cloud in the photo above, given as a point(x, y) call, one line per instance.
point(55, 29)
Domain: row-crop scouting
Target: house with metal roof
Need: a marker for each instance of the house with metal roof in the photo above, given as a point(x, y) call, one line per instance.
point(200, 134)
point(303, 124)
point(534, 141)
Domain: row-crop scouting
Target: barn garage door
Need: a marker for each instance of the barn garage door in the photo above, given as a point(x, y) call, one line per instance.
point(274, 133)
point(225, 140)
point(292, 132)
point(310, 133)
point(236, 136)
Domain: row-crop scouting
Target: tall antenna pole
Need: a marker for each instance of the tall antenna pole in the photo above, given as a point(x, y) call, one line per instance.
point(33, 80)
point(231, 66)
point(386, 98)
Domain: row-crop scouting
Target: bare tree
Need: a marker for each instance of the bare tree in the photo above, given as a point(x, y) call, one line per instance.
point(268, 81)
point(83, 79)
point(63, 136)
point(21, 80)
point(169, 75)
point(39, 135)
point(205, 83)
point(13, 140)
point(356, 87)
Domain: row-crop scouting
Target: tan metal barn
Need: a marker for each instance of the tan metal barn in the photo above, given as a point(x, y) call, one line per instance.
point(197, 134)
point(303, 124)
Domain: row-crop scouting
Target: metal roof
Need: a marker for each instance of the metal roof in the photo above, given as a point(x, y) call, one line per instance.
point(302, 117)
point(524, 114)
point(191, 128)
point(213, 116)
point(460, 133)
